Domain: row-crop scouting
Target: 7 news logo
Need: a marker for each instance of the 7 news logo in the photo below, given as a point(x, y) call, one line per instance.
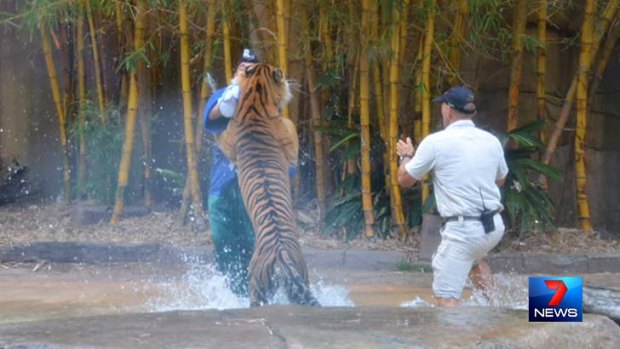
point(555, 299)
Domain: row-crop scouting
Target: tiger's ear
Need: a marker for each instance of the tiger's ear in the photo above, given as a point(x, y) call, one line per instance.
point(278, 75)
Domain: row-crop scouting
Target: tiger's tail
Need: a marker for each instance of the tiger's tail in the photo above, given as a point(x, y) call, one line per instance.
point(296, 285)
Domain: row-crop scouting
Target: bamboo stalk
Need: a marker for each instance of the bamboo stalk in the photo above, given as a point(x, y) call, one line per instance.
point(99, 81)
point(580, 131)
point(315, 113)
point(602, 27)
point(204, 93)
point(610, 44)
point(353, 83)
point(426, 74)
point(82, 103)
point(456, 37)
point(541, 61)
point(60, 112)
point(325, 31)
point(397, 209)
point(187, 108)
point(227, 48)
point(132, 113)
point(517, 64)
point(404, 26)
point(282, 59)
point(367, 205)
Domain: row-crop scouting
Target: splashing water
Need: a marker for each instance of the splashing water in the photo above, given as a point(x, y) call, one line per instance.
point(203, 287)
point(510, 292)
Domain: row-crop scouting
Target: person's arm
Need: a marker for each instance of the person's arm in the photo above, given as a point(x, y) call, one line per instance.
point(214, 123)
point(414, 164)
point(502, 170)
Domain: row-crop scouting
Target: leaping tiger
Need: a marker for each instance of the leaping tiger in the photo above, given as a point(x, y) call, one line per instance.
point(262, 145)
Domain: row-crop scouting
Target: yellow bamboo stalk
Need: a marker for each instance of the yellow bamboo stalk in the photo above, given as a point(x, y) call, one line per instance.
point(397, 209)
point(352, 163)
point(404, 26)
point(417, 100)
point(118, 14)
point(204, 93)
point(378, 88)
point(610, 43)
point(426, 75)
point(325, 31)
point(96, 60)
point(456, 37)
point(541, 61)
point(282, 59)
point(82, 102)
point(315, 113)
point(187, 108)
point(60, 112)
point(227, 45)
point(132, 113)
point(580, 131)
point(602, 27)
point(517, 63)
point(367, 205)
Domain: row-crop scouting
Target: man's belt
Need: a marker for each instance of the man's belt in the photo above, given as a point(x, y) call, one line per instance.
point(456, 218)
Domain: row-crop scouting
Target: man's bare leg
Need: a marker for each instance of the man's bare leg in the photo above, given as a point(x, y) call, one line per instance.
point(447, 302)
point(482, 278)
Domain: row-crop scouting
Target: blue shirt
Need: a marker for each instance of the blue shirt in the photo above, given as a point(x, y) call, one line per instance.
point(222, 170)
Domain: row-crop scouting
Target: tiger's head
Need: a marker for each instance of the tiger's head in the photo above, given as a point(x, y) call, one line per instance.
point(263, 86)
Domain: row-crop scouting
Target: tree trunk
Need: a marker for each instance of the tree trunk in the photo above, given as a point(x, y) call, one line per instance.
point(517, 63)
point(282, 59)
point(580, 131)
point(132, 113)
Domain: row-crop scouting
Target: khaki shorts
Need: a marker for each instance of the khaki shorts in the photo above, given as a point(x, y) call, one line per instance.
point(463, 243)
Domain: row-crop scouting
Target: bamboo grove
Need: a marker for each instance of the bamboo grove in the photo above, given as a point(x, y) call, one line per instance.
point(364, 73)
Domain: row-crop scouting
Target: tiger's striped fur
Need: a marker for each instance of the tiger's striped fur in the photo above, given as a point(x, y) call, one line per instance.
point(263, 145)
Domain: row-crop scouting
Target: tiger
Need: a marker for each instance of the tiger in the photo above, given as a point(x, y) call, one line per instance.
point(262, 145)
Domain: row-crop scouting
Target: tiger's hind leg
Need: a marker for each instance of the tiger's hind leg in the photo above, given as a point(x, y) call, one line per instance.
point(296, 282)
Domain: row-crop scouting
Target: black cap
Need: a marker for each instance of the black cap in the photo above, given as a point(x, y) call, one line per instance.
point(460, 98)
point(248, 56)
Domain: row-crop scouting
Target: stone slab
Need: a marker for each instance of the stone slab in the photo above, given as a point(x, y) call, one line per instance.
point(301, 327)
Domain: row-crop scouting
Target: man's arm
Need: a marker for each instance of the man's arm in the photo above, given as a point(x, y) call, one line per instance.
point(404, 178)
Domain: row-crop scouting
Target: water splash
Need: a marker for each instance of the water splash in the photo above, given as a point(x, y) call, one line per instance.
point(510, 292)
point(417, 302)
point(203, 287)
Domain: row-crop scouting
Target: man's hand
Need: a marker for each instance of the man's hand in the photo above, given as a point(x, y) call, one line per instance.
point(405, 149)
point(228, 102)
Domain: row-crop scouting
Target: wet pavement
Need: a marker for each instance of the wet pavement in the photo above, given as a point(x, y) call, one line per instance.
point(369, 304)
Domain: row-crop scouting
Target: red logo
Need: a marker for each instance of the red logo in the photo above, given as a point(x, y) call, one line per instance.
point(560, 291)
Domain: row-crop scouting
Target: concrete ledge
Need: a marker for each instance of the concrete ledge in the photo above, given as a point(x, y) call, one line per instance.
point(302, 327)
point(350, 259)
